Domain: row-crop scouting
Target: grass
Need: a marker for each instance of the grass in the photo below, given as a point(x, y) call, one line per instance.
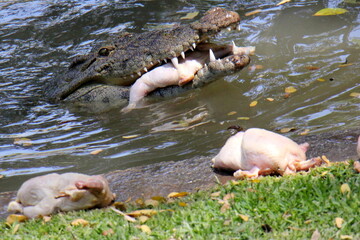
point(325, 202)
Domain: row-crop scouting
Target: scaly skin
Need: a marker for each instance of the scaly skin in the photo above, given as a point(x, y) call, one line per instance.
point(127, 57)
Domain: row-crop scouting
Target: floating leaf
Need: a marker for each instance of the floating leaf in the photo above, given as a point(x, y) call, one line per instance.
point(255, 67)
point(270, 99)
point(330, 11)
point(305, 132)
point(15, 218)
point(80, 222)
point(290, 89)
point(96, 151)
point(338, 222)
point(286, 130)
point(345, 64)
point(177, 194)
point(252, 12)
point(142, 212)
point(130, 136)
point(190, 15)
point(312, 68)
point(26, 142)
point(345, 189)
point(231, 113)
point(283, 2)
point(253, 103)
point(355, 94)
point(243, 118)
point(245, 218)
point(321, 80)
point(145, 229)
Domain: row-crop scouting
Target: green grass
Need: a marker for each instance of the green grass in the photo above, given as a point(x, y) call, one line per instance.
point(291, 207)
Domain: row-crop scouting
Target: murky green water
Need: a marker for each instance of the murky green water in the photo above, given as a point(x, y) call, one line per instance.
point(38, 39)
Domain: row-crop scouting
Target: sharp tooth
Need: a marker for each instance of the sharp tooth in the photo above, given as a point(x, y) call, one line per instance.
point(233, 44)
point(238, 27)
point(212, 56)
point(175, 62)
point(159, 61)
point(139, 73)
point(151, 63)
point(183, 55)
point(165, 60)
point(192, 49)
point(194, 45)
point(229, 29)
point(145, 69)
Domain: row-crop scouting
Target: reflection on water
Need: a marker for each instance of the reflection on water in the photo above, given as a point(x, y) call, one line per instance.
point(319, 56)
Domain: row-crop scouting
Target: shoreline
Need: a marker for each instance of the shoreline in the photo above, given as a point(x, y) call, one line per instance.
point(191, 175)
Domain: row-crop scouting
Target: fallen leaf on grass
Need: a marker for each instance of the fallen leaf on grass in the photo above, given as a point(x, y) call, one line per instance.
point(283, 2)
point(227, 222)
point(245, 218)
point(144, 228)
point(325, 159)
point(215, 194)
point(151, 202)
point(290, 89)
point(80, 222)
point(190, 15)
point(177, 194)
point(143, 219)
point(120, 205)
point(346, 237)
point(226, 206)
point(182, 204)
point(252, 12)
point(96, 152)
point(15, 218)
point(316, 235)
point(16, 228)
point(338, 222)
point(345, 189)
point(229, 196)
point(357, 166)
point(142, 212)
point(46, 218)
point(253, 103)
point(330, 11)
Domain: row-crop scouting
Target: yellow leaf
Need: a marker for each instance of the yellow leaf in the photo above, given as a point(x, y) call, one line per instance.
point(339, 222)
point(130, 136)
point(253, 103)
point(325, 159)
point(355, 94)
point(177, 194)
point(316, 235)
point(243, 118)
point(15, 218)
point(120, 205)
point(182, 204)
point(330, 11)
point(159, 198)
point(252, 12)
point(231, 113)
point(46, 218)
point(145, 229)
point(245, 218)
point(26, 142)
point(270, 99)
point(255, 180)
point(229, 196)
point(143, 219)
point(16, 228)
point(346, 237)
point(345, 64)
point(142, 212)
point(140, 202)
point(227, 222)
point(96, 151)
point(324, 173)
point(226, 206)
point(345, 189)
point(286, 130)
point(305, 132)
point(190, 15)
point(308, 221)
point(80, 222)
point(290, 89)
point(283, 2)
point(321, 80)
point(357, 166)
point(215, 194)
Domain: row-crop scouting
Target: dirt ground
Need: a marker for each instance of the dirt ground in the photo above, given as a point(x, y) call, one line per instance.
point(191, 175)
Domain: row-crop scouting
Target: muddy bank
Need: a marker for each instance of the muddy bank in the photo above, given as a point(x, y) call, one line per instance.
point(194, 174)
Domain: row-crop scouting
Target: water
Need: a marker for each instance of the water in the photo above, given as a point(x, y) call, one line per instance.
point(39, 38)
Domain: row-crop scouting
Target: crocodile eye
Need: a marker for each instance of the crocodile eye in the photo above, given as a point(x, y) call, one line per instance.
point(104, 52)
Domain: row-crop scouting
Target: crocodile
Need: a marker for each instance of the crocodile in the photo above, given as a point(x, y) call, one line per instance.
point(107, 73)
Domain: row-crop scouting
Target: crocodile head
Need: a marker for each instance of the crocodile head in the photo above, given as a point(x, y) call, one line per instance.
point(129, 56)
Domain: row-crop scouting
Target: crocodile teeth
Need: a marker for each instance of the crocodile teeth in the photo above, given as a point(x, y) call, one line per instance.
point(194, 45)
point(183, 55)
point(234, 45)
point(145, 69)
point(229, 29)
point(159, 61)
point(238, 27)
point(165, 60)
point(212, 56)
point(139, 73)
point(175, 62)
